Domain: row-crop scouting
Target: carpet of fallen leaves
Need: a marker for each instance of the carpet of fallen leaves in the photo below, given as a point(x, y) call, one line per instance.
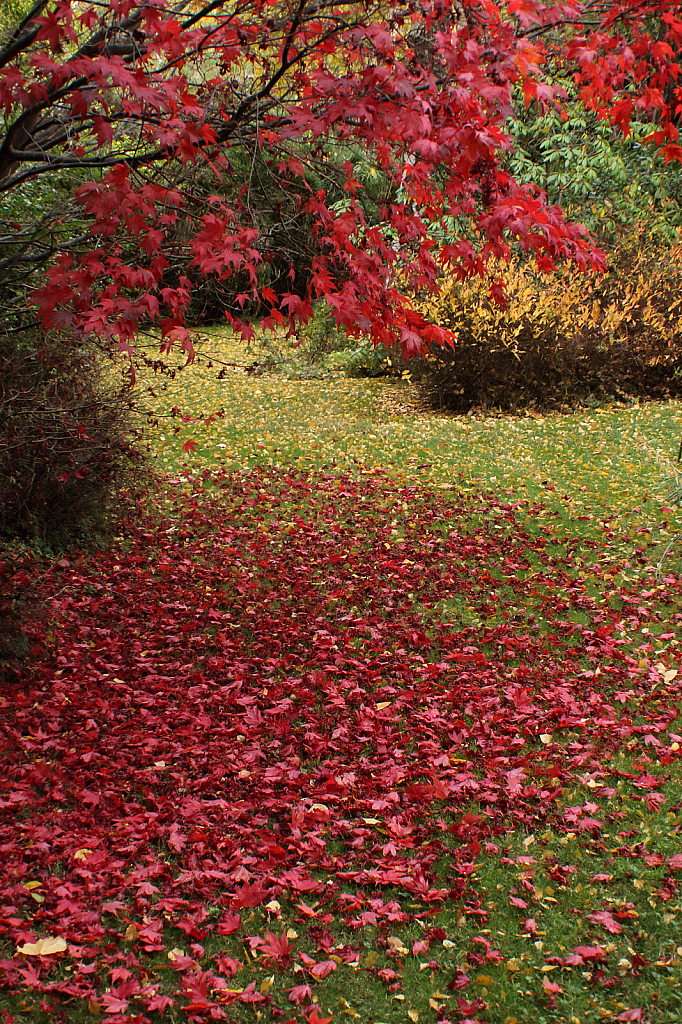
point(324, 698)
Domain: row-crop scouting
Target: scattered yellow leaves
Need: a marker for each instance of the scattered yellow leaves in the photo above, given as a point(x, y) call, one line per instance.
point(34, 895)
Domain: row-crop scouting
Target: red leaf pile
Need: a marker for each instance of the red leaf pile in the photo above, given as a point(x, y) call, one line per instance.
point(260, 699)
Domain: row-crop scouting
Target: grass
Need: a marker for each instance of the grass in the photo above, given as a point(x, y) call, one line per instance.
point(606, 463)
point(592, 486)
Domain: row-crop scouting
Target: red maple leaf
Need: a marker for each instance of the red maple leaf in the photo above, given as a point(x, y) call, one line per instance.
point(279, 948)
point(605, 919)
point(314, 1017)
point(250, 895)
point(300, 994)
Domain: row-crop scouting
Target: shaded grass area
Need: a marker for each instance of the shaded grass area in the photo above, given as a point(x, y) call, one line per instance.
point(425, 736)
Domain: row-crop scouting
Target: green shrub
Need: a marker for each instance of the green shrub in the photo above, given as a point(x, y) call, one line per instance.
point(321, 336)
point(602, 178)
point(367, 361)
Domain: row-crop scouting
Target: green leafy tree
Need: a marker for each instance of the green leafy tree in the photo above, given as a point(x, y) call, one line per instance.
point(602, 176)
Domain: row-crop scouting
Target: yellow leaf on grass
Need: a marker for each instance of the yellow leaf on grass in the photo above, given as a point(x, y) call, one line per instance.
point(266, 984)
point(175, 954)
point(670, 675)
point(484, 979)
point(413, 1015)
point(46, 946)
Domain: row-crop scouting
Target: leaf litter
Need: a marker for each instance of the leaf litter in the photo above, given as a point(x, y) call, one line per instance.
point(313, 743)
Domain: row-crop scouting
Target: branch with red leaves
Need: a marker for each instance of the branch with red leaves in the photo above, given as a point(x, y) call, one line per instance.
point(159, 113)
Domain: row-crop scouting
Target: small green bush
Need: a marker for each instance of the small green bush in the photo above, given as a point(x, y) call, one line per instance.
point(321, 336)
point(368, 361)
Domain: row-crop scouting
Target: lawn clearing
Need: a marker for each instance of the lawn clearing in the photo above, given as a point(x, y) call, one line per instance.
point(321, 744)
point(606, 463)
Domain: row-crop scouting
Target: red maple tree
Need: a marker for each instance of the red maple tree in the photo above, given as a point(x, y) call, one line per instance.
point(156, 115)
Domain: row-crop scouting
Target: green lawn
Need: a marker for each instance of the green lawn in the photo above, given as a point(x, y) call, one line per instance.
point(610, 465)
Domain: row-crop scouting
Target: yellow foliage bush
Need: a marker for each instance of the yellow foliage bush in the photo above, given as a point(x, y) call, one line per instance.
point(563, 334)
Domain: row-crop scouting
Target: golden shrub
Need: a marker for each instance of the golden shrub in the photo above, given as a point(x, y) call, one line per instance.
point(567, 330)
